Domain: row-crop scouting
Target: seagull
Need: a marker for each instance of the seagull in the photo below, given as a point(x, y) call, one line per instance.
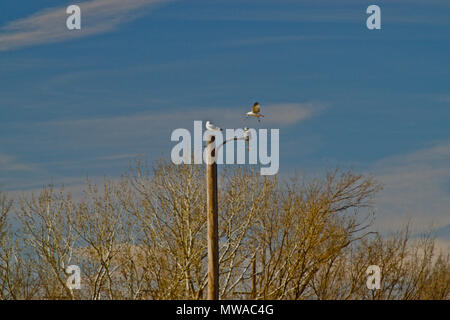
point(247, 137)
point(211, 127)
point(255, 111)
point(247, 134)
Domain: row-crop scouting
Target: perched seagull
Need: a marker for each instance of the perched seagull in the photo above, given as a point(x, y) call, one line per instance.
point(212, 127)
point(247, 134)
point(247, 137)
point(255, 111)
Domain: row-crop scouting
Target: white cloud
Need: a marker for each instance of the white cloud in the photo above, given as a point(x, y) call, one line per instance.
point(151, 130)
point(416, 188)
point(49, 25)
point(13, 171)
point(329, 11)
point(281, 39)
point(442, 245)
point(75, 186)
point(10, 163)
point(156, 125)
point(443, 98)
point(290, 113)
point(106, 145)
point(127, 156)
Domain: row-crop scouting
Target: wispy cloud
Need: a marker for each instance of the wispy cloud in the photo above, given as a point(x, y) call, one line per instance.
point(106, 145)
point(141, 133)
point(444, 98)
point(285, 114)
point(321, 11)
point(49, 25)
point(129, 133)
point(10, 163)
point(142, 124)
point(114, 157)
point(254, 41)
point(14, 171)
point(416, 187)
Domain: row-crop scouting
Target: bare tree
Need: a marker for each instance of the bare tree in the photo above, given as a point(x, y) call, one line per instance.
point(144, 237)
point(49, 239)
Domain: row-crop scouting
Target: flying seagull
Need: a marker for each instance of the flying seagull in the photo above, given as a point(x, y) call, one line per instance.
point(255, 111)
point(212, 127)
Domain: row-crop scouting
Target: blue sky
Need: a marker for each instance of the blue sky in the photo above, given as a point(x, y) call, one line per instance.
point(87, 102)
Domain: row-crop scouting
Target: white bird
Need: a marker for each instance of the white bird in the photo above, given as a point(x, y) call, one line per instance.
point(247, 134)
point(255, 111)
point(247, 137)
point(211, 127)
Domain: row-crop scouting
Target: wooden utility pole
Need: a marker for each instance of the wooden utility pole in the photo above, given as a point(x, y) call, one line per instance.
point(212, 212)
point(254, 278)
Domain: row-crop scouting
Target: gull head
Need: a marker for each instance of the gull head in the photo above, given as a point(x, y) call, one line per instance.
point(209, 126)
